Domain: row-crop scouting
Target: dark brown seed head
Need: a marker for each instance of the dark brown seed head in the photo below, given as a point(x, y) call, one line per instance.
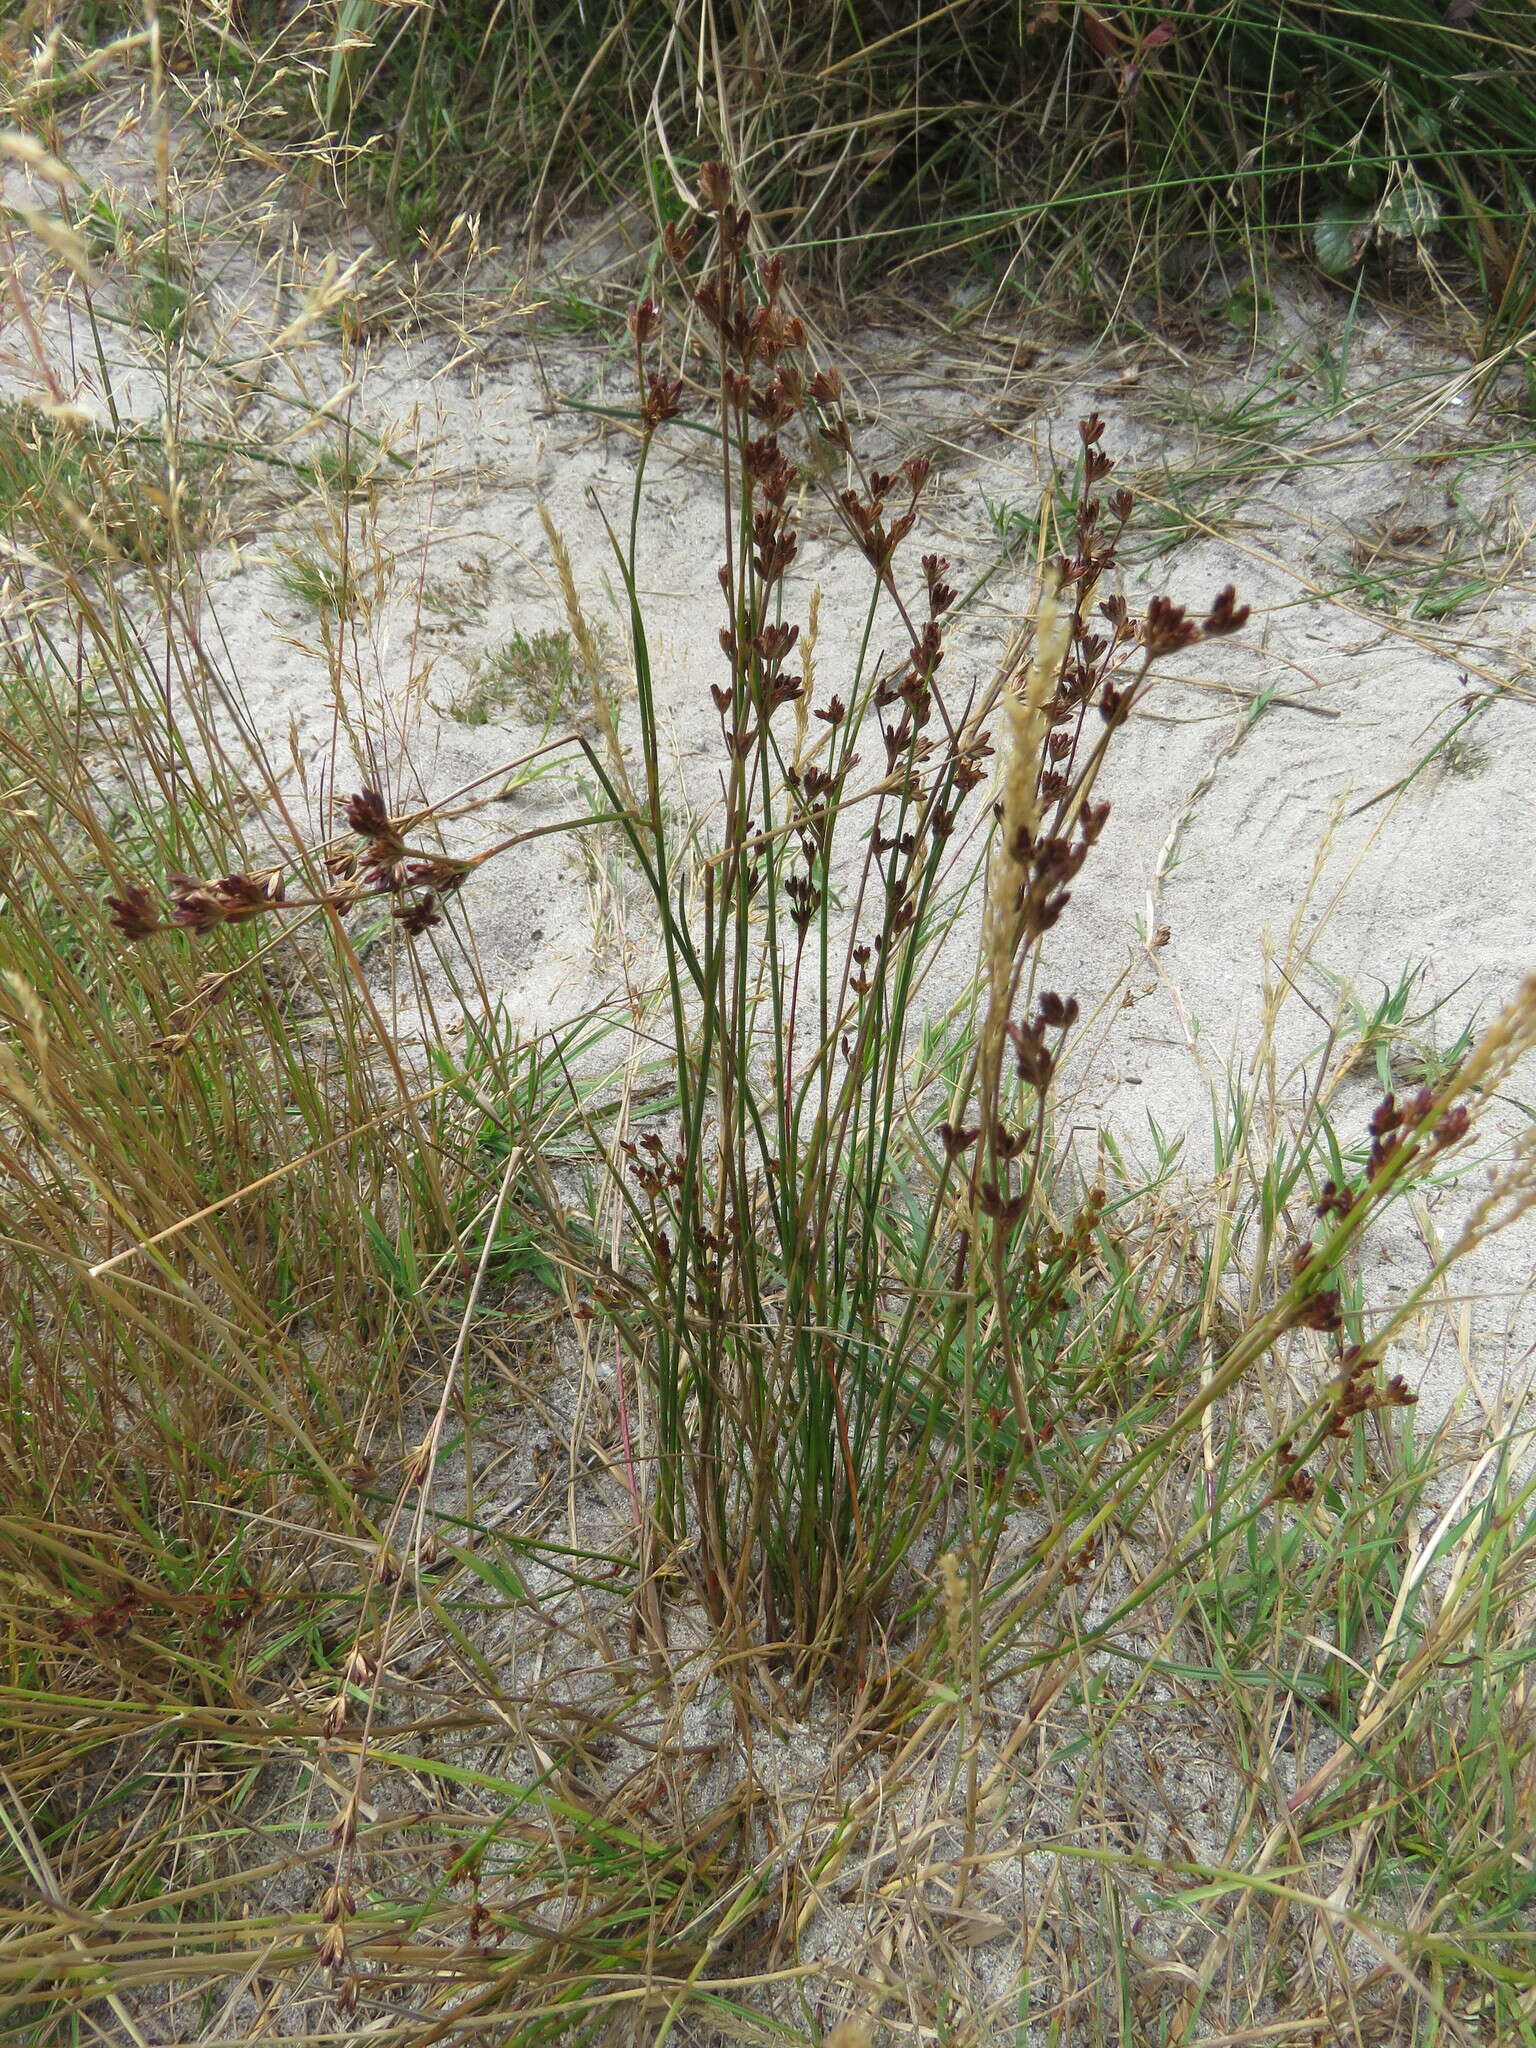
point(337, 1903)
point(135, 913)
point(331, 1948)
point(1453, 1126)
point(1167, 628)
point(444, 874)
point(418, 917)
point(663, 401)
point(367, 816)
point(714, 186)
point(775, 641)
point(201, 906)
point(956, 1140)
point(1226, 615)
point(678, 238)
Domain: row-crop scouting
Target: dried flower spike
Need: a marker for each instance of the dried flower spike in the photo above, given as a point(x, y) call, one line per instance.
point(135, 913)
point(714, 186)
point(644, 321)
point(1226, 615)
point(357, 1670)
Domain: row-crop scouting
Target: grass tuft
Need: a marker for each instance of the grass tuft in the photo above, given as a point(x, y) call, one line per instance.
point(1068, 149)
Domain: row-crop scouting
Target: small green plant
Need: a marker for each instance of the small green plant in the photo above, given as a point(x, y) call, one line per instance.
point(1397, 1041)
point(459, 601)
point(1410, 570)
point(156, 255)
point(322, 585)
point(100, 496)
point(1465, 758)
point(536, 673)
point(1248, 306)
point(349, 467)
point(569, 312)
point(1172, 508)
point(1032, 531)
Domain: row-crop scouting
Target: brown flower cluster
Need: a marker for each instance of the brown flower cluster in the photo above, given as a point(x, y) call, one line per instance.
point(1090, 668)
point(773, 406)
point(381, 864)
point(1401, 1133)
point(196, 906)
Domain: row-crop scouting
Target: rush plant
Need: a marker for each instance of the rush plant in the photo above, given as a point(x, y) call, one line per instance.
point(852, 1270)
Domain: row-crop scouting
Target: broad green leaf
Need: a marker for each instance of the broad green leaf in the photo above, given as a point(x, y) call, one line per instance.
point(1340, 236)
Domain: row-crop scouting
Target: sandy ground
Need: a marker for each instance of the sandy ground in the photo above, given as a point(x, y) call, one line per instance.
point(1299, 811)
